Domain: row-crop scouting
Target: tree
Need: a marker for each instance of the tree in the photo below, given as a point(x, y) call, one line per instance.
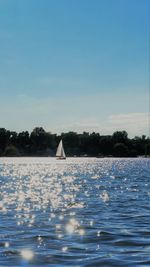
point(11, 151)
point(106, 146)
point(83, 143)
point(147, 149)
point(38, 139)
point(139, 144)
point(13, 139)
point(119, 137)
point(39, 142)
point(23, 139)
point(120, 150)
point(71, 142)
point(4, 138)
point(93, 144)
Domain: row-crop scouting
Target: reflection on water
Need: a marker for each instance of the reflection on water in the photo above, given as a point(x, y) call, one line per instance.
point(27, 254)
point(79, 212)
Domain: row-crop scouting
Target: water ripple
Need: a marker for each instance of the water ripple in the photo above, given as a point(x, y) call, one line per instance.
point(79, 212)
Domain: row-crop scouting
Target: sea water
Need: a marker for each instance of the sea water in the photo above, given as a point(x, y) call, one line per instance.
point(74, 212)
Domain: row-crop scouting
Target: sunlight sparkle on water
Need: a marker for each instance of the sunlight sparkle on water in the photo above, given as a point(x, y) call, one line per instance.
point(73, 210)
point(60, 236)
point(27, 254)
point(104, 196)
point(64, 249)
point(72, 226)
point(61, 217)
point(39, 238)
point(6, 245)
point(58, 226)
point(91, 223)
point(81, 232)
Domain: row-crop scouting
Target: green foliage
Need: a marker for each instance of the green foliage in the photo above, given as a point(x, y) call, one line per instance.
point(11, 151)
point(106, 145)
point(120, 137)
point(42, 143)
point(120, 150)
point(147, 149)
point(4, 137)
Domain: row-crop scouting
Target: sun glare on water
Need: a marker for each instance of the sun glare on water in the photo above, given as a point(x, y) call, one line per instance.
point(63, 210)
point(27, 254)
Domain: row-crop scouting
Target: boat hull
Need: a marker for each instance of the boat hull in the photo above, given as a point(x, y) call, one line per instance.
point(60, 158)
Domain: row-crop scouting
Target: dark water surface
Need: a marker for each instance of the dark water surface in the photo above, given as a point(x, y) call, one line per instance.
point(78, 212)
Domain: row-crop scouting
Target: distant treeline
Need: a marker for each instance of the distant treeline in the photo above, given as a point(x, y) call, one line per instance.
point(42, 143)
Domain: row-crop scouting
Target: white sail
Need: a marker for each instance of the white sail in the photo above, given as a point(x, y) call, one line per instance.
point(60, 151)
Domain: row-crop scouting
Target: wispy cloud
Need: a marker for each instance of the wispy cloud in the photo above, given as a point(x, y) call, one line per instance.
point(132, 122)
point(89, 124)
point(130, 118)
point(62, 114)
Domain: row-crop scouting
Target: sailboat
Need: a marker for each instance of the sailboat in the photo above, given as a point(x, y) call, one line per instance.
point(60, 153)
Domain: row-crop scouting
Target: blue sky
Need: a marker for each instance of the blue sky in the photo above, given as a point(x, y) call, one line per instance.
point(74, 65)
